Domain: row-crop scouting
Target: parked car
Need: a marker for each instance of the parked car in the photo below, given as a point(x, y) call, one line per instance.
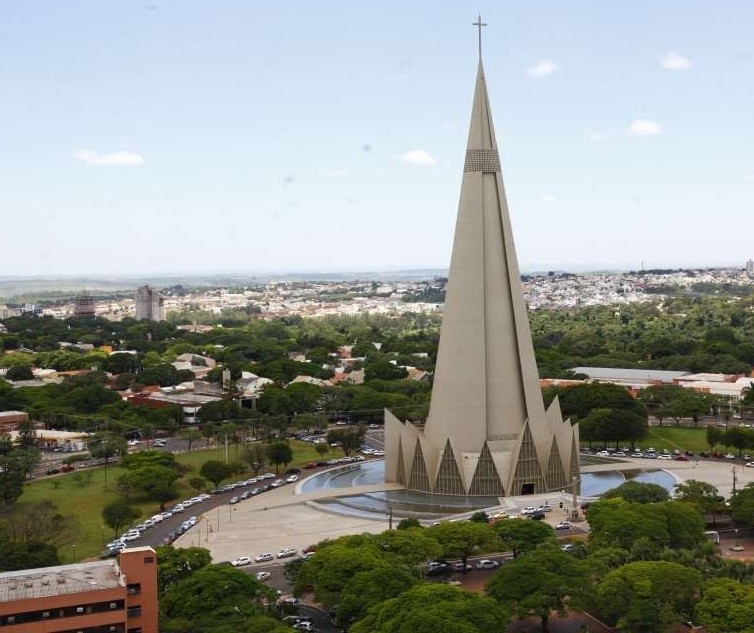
point(241, 561)
point(537, 516)
point(563, 525)
point(487, 564)
point(292, 479)
point(261, 558)
point(287, 552)
point(263, 575)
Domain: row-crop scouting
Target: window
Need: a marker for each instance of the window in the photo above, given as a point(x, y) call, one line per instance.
point(149, 559)
point(134, 589)
point(133, 612)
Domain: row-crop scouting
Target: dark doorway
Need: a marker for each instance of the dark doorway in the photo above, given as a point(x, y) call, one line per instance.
point(527, 489)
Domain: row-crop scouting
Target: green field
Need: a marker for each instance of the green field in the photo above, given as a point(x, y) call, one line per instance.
point(673, 438)
point(84, 493)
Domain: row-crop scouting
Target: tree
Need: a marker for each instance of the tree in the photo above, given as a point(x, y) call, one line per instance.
point(369, 588)
point(742, 505)
point(637, 492)
point(619, 523)
point(118, 514)
point(701, 494)
point(726, 606)
point(19, 372)
point(190, 435)
point(15, 466)
point(198, 483)
point(215, 471)
point(327, 573)
point(461, 539)
point(349, 439)
point(383, 369)
point(541, 582)
point(648, 596)
point(255, 455)
point(106, 445)
point(175, 564)
point(429, 608)
point(522, 535)
point(714, 437)
point(279, 453)
point(212, 594)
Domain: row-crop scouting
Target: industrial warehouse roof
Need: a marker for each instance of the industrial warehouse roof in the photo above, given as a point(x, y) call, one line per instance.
point(630, 375)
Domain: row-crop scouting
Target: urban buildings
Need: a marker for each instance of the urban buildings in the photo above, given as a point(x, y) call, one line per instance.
point(84, 305)
point(106, 596)
point(488, 433)
point(150, 304)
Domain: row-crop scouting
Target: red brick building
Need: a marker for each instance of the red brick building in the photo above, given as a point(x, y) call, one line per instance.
point(106, 596)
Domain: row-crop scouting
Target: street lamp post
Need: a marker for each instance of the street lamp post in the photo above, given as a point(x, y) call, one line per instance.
point(735, 536)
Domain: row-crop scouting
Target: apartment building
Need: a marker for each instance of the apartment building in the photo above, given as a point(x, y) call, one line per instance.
point(109, 596)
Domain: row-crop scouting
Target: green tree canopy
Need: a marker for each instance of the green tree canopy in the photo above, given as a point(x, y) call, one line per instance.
point(523, 535)
point(637, 492)
point(648, 597)
point(429, 608)
point(118, 514)
point(726, 606)
point(539, 583)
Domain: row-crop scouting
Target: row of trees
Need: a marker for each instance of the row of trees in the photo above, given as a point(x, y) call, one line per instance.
point(645, 568)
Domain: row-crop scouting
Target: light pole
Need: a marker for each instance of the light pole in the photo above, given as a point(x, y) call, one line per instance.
point(735, 535)
point(733, 470)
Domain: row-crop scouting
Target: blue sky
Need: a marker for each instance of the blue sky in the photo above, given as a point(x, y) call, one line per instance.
point(246, 136)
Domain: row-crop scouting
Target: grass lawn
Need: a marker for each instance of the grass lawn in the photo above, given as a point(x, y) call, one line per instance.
point(672, 438)
point(84, 493)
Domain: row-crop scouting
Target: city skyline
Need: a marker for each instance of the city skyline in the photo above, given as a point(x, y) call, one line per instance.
point(236, 137)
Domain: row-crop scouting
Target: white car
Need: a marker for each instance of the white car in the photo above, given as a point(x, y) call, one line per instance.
point(263, 575)
point(528, 510)
point(664, 456)
point(241, 561)
point(563, 525)
point(487, 564)
point(261, 558)
point(292, 479)
point(749, 464)
point(287, 552)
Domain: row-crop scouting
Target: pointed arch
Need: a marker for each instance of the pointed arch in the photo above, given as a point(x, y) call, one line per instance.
point(527, 478)
point(400, 477)
point(449, 481)
point(555, 477)
point(419, 479)
point(486, 481)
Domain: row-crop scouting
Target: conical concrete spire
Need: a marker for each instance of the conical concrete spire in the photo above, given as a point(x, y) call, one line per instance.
point(486, 375)
point(486, 394)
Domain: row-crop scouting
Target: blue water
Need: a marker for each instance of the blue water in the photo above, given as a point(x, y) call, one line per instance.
point(373, 472)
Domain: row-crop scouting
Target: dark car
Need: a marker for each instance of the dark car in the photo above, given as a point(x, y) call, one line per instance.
point(537, 516)
point(438, 567)
point(293, 471)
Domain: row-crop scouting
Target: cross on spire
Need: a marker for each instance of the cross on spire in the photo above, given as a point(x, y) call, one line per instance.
point(479, 24)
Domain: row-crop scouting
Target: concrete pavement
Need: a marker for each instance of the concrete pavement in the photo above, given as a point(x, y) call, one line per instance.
point(281, 518)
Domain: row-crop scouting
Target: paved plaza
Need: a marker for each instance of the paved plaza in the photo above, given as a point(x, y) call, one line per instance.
point(282, 518)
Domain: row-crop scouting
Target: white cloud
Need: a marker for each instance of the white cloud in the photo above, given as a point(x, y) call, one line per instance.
point(597, 137)
point(547, 198)
point(674, 61)
point(110, 159)
point(448, 125)
point(417, 157)
point(542, 69)
point(644, 127)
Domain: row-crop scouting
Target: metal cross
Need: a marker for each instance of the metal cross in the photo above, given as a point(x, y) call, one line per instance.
point(479, 24)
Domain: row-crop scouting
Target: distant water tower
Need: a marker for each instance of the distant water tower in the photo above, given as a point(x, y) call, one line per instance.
point(84, 305)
